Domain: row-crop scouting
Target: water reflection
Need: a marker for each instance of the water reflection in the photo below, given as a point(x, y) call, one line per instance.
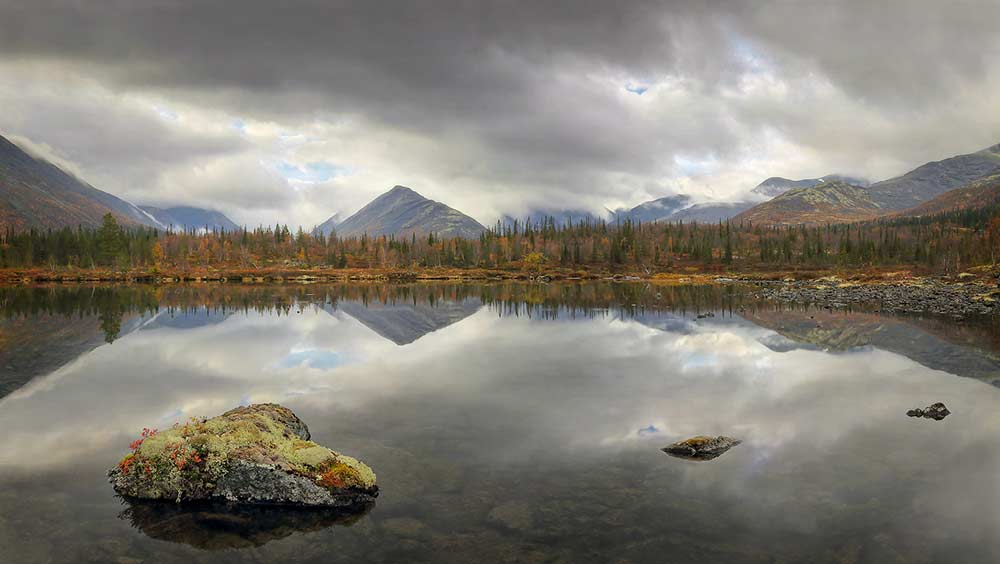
point(524, 423)
point(219, 526)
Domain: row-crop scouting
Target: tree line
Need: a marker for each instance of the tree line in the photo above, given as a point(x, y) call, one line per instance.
point(944, 242)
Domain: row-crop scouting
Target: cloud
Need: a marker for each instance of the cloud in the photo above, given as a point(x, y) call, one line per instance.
point(492, 107)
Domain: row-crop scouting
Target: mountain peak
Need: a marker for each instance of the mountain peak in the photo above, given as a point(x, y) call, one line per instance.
point(399, 191)
point(402, 210)
point(995, 149)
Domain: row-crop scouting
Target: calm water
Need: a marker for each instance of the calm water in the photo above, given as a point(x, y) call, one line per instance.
point(510, 423)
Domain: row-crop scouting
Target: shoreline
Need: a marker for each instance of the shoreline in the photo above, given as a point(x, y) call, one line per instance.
point(688, 274)
point(975, 292)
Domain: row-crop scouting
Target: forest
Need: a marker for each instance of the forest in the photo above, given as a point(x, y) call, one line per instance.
point(942, 243)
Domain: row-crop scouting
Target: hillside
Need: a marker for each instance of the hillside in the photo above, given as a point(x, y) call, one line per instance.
point(978, 194)
point(38, 194)
point(401, 211)
point(935, 178)
point(829, 202)
point(187, 218)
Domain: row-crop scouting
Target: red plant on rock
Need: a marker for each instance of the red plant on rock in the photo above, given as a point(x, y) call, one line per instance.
point(126, 463)
point(182, 456)
point(146, 433)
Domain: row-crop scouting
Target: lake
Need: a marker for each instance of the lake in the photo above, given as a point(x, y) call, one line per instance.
point(509, 423)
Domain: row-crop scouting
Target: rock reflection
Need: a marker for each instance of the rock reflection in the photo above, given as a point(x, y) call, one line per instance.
point(220, 526)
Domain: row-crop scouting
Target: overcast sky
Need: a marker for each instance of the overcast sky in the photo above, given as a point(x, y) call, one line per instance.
point(292, 111)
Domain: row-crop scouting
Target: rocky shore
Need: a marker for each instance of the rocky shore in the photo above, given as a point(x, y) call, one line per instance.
point(914, 295)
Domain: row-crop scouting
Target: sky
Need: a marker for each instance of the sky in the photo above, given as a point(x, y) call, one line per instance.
point(295, 113)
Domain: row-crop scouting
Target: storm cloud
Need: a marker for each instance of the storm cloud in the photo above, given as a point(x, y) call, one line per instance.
point(293, 111)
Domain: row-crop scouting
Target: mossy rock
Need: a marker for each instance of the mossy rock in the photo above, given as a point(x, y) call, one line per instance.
point(258, 454)
point(701, 448)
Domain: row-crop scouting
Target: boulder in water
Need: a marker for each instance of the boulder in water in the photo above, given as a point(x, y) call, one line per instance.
point(701, 447)
point(936, 411)
point(258, 454)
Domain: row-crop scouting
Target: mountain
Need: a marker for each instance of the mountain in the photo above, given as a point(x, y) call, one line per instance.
point(329, 225)
point(975, 195)
point(187, 218)
point(933, 179)
point(776, 185)
point(709, 212)
point(561, 217)
point(654, 210)
point(36, 193)
point(829, 202)
point(402, 211)
point(679, 208)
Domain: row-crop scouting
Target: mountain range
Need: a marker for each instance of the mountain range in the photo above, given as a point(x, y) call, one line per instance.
point(838, 202)
point(680, 207)
point(37, 193)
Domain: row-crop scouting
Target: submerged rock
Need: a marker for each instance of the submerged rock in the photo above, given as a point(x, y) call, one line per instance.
point(259, 454)
point(512, 515)
point(701, 448)
point(935, 411)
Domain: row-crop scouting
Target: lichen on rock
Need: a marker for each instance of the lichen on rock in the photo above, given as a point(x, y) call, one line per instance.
point(701, 448)
point(258, 454)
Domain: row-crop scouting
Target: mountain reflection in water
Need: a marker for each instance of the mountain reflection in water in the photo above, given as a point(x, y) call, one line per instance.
point(509, 422)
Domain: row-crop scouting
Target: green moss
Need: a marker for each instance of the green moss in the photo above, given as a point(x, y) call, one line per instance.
point(312, 456)
point(192, 457)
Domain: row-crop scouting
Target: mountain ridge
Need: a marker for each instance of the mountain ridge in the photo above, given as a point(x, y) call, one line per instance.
point(934, 178)
point(777, 185)
point(40, 194)
point(829, 202)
